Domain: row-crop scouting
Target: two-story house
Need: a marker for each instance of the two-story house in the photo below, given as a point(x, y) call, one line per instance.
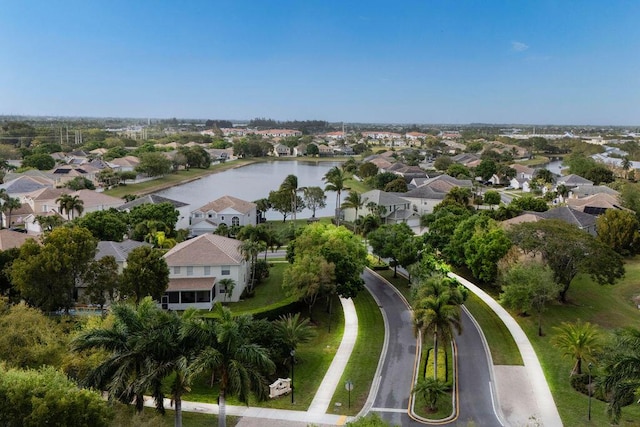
point(196, 267)
point(227, 210)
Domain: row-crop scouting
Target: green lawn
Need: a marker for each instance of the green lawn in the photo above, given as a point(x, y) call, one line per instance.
point(445, 403)
point(363, 363)
point(504, 350)
point(125, 416)
point(608, 306)
point(266, 294)
point(314, 360)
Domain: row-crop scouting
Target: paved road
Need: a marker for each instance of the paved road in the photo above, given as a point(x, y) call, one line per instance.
point(392, 398)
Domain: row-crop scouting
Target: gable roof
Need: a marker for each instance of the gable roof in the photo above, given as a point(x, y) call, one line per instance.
point(383, 198)
point(572, 216)
point(226, 202)
point(118, 250)
point(92, 198)
point(207, 249)
point(25, 184)
point(573, 179)
point(48, 193)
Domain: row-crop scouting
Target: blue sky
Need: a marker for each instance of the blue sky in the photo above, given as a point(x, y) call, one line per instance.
point(426, 61)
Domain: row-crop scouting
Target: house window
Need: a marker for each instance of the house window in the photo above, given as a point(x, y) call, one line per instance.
point(188, 296)
point(235, 221)
point(190, 271)
point(221, 218)
point(209, 215)
point(176, 270)
point(174, 297)
point(203, 296)
point(225, 270)
point(207, 270)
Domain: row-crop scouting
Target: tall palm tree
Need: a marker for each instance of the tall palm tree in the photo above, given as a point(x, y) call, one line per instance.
point(10, 204)
point(439, 316)
point(579, 341)
point(228, 285)
point(70, 204)
point(290, 186)
point(238, 364)
point(250, 250)
point(353, 201)
point(335, 179)
point(3, 196)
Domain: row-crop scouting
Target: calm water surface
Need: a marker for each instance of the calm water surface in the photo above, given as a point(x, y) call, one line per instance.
point(254, 182)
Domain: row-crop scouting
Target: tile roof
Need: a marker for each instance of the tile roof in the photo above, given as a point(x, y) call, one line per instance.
point(383, 198)
point(118, 250)
point(191, 284)
point(12, 239)
point(207, 249)
point(94, 199)
point(25, 184)
point(226, 202)
point(48, 193)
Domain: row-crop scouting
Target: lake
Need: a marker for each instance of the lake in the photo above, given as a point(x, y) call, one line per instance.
point(254, 182)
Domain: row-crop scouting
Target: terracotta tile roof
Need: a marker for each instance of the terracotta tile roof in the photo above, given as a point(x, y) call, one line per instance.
point(48, 193)
point(207, 249)
point(12, 239)
point(191, 284)
point(93, 199)
point(226, 202)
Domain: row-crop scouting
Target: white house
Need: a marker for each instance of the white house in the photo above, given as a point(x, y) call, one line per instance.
point(196, 267)
point(225, 210)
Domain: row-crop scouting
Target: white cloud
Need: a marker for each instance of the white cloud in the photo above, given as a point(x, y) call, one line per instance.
point(519, 46)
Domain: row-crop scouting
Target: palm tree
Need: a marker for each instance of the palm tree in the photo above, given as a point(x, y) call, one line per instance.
point(626, 165)
point(431, 390)
point(621, 373)
point(228, 285)
point(238, 364)
point(335, 179)
point(10, 204)
point(250, 250)
point(579, 341)
point(290, 186)
point(354, 201)
point(293, 330)
point(70, 204)
point(3, 196)
point(48, 223)
point(439, 316)
point(119, 373)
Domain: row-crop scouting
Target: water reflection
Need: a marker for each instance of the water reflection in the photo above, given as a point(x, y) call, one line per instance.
point(254, 182)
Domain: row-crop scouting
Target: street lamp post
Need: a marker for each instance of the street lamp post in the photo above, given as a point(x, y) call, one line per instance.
point(293, 355)
point(590, 366)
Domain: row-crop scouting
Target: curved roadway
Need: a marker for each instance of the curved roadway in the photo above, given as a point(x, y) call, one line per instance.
point(391, 402)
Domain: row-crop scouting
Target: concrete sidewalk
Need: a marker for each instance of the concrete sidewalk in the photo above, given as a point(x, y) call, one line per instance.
point(316, 414)
point(523, 391)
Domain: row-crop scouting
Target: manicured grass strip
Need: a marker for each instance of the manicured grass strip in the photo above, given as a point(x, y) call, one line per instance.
point(445, 403)
point(504, 350)
point(364, 359)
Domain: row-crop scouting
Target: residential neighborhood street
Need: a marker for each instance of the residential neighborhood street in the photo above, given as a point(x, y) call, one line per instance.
point(475, 392)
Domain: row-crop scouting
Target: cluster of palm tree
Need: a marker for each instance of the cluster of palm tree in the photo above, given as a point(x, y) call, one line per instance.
point(436, 310)
point(161, 353)
point(256, 240)
point(70, 204)
point(614, 365)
